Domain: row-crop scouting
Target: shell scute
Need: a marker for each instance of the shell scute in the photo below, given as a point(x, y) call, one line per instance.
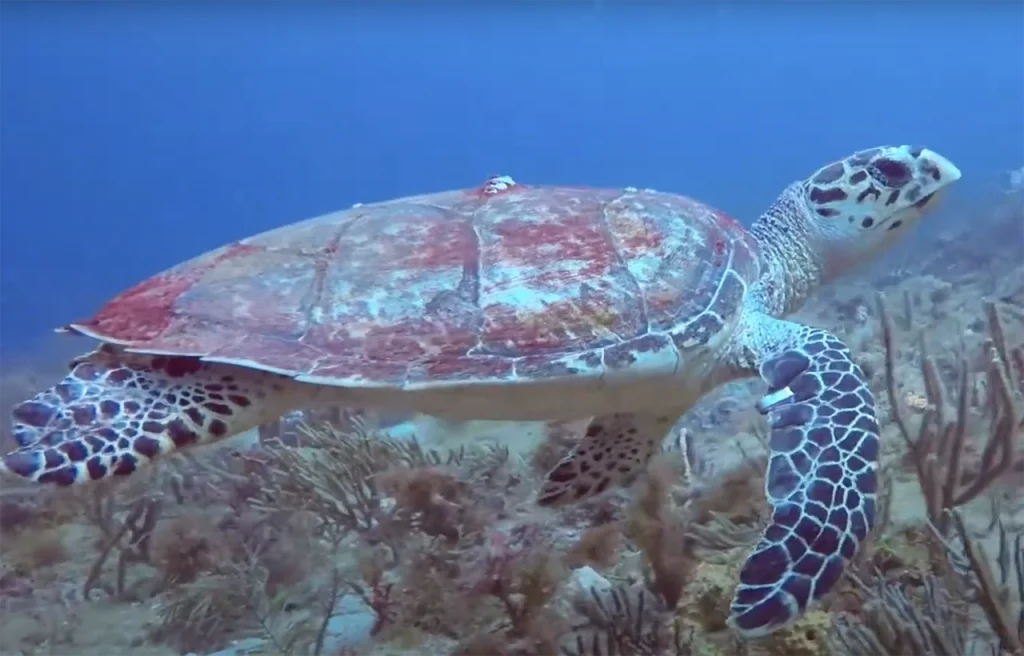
point(550, 276)
point(722, 304)
point(463, 368)
point(536, 367)
point(266, 351)
point(695, 286)
point(145, 311)
point(628, 354)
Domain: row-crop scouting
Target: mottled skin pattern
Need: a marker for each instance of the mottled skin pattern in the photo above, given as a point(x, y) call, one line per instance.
point(517, 302)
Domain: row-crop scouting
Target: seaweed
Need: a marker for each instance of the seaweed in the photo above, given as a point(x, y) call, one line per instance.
point(895, 620)
point(661, 535)
point(934, 614)
point(334, 474)
point(626, 620)
point(126, 520)
point(937, 451)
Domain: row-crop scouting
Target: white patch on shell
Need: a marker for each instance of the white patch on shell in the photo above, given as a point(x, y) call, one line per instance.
point(498, 183)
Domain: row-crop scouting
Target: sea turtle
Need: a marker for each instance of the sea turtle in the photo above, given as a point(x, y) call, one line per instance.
point(517, 302)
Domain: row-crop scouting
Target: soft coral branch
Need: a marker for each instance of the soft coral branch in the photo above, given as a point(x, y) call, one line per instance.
point(938, 449)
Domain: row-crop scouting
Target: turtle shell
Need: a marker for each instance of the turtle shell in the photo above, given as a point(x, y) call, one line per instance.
point(499, 283)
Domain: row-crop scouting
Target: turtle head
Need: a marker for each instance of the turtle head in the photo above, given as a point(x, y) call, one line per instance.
point(861, 204)
point(843, 215)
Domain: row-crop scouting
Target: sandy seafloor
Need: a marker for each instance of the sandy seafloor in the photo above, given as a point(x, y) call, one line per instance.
point(49, 544)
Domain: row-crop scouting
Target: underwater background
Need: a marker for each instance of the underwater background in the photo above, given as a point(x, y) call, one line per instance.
point(136, 135)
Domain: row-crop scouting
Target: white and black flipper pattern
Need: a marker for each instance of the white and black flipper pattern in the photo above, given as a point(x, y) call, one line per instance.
point(821, 480)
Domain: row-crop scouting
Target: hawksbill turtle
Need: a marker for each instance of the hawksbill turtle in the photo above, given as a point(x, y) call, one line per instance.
point(517, 302)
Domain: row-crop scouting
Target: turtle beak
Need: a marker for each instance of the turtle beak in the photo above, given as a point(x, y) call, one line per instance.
point(936, 173)
point(940, 169)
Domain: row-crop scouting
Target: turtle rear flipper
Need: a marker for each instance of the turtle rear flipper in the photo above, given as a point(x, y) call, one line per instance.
point(821, 479)
point(613, 452)
point(116, 411)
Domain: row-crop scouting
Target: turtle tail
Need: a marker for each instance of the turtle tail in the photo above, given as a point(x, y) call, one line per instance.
point(116, 411)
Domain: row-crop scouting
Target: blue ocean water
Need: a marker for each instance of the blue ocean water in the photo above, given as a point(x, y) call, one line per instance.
point(136, 135)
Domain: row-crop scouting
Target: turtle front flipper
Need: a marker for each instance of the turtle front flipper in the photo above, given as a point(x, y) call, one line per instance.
point(822, 474)
point(614, 450)
point(116, 411)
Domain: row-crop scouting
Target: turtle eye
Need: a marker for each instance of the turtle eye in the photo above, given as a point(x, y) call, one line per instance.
point(890, 173)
